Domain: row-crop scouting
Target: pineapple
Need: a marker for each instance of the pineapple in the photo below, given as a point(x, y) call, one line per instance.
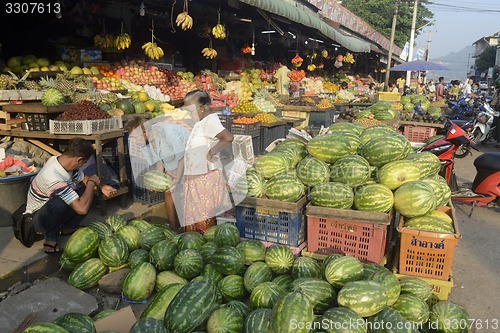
point(5, 81)
point(16, 81)
point(47, 82)
point(31, 85)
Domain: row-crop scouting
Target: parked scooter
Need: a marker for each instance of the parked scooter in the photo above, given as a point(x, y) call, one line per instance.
point(467, 126)
point(485, 125)
point(462, 109)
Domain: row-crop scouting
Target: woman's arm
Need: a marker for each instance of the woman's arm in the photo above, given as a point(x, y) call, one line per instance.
point(225, 138)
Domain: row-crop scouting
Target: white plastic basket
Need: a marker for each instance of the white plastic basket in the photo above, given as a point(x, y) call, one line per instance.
point(84, 126)
point(243, 148)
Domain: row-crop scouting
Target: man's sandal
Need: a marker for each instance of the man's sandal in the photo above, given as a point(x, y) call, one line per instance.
point(55, 248)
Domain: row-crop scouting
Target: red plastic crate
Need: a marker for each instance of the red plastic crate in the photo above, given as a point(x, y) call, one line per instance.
point(419, 133)
point(362, 235)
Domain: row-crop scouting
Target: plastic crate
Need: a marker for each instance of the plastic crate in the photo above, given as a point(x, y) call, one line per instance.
point(37, 121)
point(362, 235)
point(418, 133)
point(225, 120)
point(440, 289)
point(389, 96)
point(297, 115)
point(425, 253)
point(243, 147)
point(318, 119)
point(85, 126)
point(269, 133)
point(246, 129)
point(272, 220)
point(256, 146)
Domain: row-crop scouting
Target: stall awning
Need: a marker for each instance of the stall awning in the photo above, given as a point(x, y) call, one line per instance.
point(282, 8)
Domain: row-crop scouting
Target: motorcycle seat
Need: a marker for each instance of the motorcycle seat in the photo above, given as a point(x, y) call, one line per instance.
point(490, 161)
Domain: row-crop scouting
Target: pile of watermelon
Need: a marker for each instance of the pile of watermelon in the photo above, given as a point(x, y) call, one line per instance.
point(215, 283)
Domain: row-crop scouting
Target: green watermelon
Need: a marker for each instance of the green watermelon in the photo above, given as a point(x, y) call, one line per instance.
point(188, 263)
point(150, 237)
point(103, 229)
point(343, 320)
point(139, 283)
point(415, 286)
point(116, 221)
point(412, 308)
point(255, 183)
point(285, 188)
point(428, 163)
point(384, 149)
point(239, 306)
point(351, 170)
point(257, 273)
point(347, 128)
point(292, 313)
point(75, 322)
point(370, 268)
point(45, 327)
point(191, 240)
point(312, 171)
point(137, 256)
point(166, 278)
point(148, 325)
point(159, 304)
point(228, 260)
point(270, 165)
point(292, 155)
point(162, 255)
point(209, 234)
point(391, 285)
point(366, 298)
point(396, 173)
point(258, 321)
point(329, 148)
point(130, 235)
point(305, 267)
point(252, 250)
point(82, 245)
point(157, 181)
point(207, 250)
point(225, 320)
point(429, 223)
point(141, 225)
point(265, 295)
point(332, 195)
point(87, 274)
point(227, 234)
point(389, 320)
point(342, 270)
point(104, 313)
point(320, 293)
point(66, 264)
point(113, 251)
point(232, 288)
point(210, 272)
point(442, 215)
point(279, 258)
point(449, 317)
point(284, 281)
point(414, 198)
point(374, 132)
point(373, 198)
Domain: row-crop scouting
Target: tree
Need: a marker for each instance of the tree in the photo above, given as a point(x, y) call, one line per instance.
point(486, 59)
point(379, 13)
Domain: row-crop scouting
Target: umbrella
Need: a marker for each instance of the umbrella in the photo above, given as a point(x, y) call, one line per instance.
point(419, 65)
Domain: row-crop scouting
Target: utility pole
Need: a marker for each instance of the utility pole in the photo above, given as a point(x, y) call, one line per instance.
point(391, 46)
point(428, 46)
point(412, 40)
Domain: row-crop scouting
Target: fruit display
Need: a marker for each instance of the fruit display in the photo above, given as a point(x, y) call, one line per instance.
point(219, 31)
point(267, 118)
point(245, 120)
point(297, 60)
point(123, 41)
point(52, 97)
point(245, 107)
point(152, 50)
point(324, 104)
point(104, 41)
point(84, 110)
point(209, 53)
point(296, 75)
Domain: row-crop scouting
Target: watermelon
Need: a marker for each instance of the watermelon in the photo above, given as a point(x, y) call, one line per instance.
point(191, 307)
point(373, 198)
point(312, 171)
point(370, 268)
point(329, 148)
point(227, 234)
point(396, 173)
point(141, 225)
point(366, 298)
point(232, 288)
point(320, 293)
point(113, 251)
point(150, 237)
point(157, 181)
point(332, 195)
point(330, 257)
point(374, 132)
point(75, 322)
point(442, 215)
point(66, 264)
point(265, 295)
point(305, 267)
point(284, 281)
point(343, 320)
point(207, 250)
point(293, 312)
point(351, 170)
point(429, 223)
point(211, 273)
point(125, 105)
point(354, 141)
point(148, 325)
point(255, 183)
point(257, 273)
point(191, 240)
point(209, 234)
point(137, 256)
point(389, 320)
point(239, 306)
point(258, 321)
point(87, 274)
point(428, 163)
point(449, 317)
point(166, 278)
point(162, 255)
point(270, 165)
point(296, 143)
point(139, 283)
point(252, 250)
point(342, 270)
point(82, 245)
point(130, 235)
point(188, 263)
point(285, 188)
point(45, 327)
point(412, 308)
point(228, 260)
point(384, 149)
point(225, 320)
point(103, 229)
point(414, 198)
point(415, 286)
point(116, 221)
point(159, 304)
point(279, 258)
point(292, 155)
point(347, 128)
point(391, 285)
point(441, 190)
point(104, 313)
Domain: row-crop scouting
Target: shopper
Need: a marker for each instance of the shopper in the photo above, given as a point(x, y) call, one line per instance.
point(282, 79)
point(431, 87)
point(205, 191)
point(440, 94)
point(55, 205)
point(401, 84)
point(467, 90)
point(421, 89)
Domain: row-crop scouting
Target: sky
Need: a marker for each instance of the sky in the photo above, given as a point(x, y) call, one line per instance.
point(458, 24)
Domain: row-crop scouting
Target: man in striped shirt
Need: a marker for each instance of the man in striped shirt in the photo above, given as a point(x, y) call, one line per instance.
point(56, 204)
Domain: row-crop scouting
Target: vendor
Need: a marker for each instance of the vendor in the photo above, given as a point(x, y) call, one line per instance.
point(282, 79)
point(54, 205)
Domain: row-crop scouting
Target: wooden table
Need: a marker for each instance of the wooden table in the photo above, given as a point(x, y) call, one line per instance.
point(42, 139)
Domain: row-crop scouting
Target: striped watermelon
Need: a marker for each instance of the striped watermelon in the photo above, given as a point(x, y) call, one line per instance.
point(87, 274)
point(296, 143)
point(188, 263)
point(137, 256)
point(211, 273)
point(342, 270)
point(351, 170)
point(279, 258)
point(384, 149)
point(391, 285)
point(332, 195)
point(354, 141)
point(304, 267)
point(292, 155)
point(441, 190)
point(255, 183)
point(207, 250)
point(442, 215)
point(116, 221)
point(320, 293)
point(446, 196)
point(312, 171)
point(112, 251)
point(414, 198)
point(159, 304)
point(45, 327)
point(104, 313)
point(347, 128)
point(148, 325)
point(449, 317)
point(103, 229)
point(228, 260)
point(257, 273)
point(366, 298)
point(284, 281)
point(166, 278)
point(232, 288)
point(141, 225)
point(285, 188)
point(265, 295)
point(429, 223)
point(139, 283)
point(370, 268)
point(150, 237)
point(415, 286)
point(396, 173)
point(291, 310)
point(82, 245)
point(209, 234)
point(258, 321)
point(329, 148)
point(162, 255)
point(270, 165)
point(157, 181)
point(428, 163)
point(412, 308)
point(390, 320)
point(130, 235)
point(191, 240)
point(239, 306)
point(374, 132)
point(191, 307)
point(225, 320)
point(373, 198)
point(75, 322)
point(330, 257)
point(252, 250)
point(227, 234)
point(66, 264)
point(340, 320)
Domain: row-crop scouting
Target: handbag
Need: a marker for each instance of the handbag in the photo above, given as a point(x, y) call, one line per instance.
point(23, 226)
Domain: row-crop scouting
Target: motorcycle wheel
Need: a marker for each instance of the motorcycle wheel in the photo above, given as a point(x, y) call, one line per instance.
point(462, 151)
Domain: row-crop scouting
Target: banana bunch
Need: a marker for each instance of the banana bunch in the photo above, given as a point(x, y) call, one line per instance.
point(219, 31)
point(184, 21)
point(209, 53)
point(122, 41)
point(152, 50)
point(349, 58)
point(314, 55)
point(104, 41)
point(324, 54)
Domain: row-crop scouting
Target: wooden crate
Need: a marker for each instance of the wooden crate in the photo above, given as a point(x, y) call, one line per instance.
point(7, 123)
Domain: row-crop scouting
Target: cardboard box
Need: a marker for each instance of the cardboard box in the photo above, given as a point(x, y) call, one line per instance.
point(90, 55)
point(120, 321)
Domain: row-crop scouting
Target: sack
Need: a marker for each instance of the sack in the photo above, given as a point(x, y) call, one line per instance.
point(23, 226)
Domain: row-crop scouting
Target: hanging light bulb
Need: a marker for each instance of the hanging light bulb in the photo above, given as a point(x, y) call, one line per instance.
point(142, 9)
point(253, 49)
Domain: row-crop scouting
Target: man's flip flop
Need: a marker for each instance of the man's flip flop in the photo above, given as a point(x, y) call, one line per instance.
point(55, 248)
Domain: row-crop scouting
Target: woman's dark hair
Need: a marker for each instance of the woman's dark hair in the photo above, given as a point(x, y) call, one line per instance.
point(199, 97)
point(78, 147)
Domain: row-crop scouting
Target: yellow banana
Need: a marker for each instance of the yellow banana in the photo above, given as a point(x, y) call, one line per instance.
point(180, 18)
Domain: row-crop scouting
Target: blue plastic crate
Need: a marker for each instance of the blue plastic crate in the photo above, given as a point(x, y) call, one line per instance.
point(272, 220)
point(271, 132)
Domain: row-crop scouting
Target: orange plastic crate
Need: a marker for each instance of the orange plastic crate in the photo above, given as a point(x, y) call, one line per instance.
point(362, 235)
point(425, 253)
point(419, 133)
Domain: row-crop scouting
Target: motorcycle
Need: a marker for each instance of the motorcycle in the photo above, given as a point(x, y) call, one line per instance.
point(462, 109)
point(485, 125)
point(467, 126)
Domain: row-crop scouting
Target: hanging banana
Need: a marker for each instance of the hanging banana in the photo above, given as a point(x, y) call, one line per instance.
point(219, 31)
point(152, 50)
point(184, 21)
point(209, 53)
point(122, 41)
